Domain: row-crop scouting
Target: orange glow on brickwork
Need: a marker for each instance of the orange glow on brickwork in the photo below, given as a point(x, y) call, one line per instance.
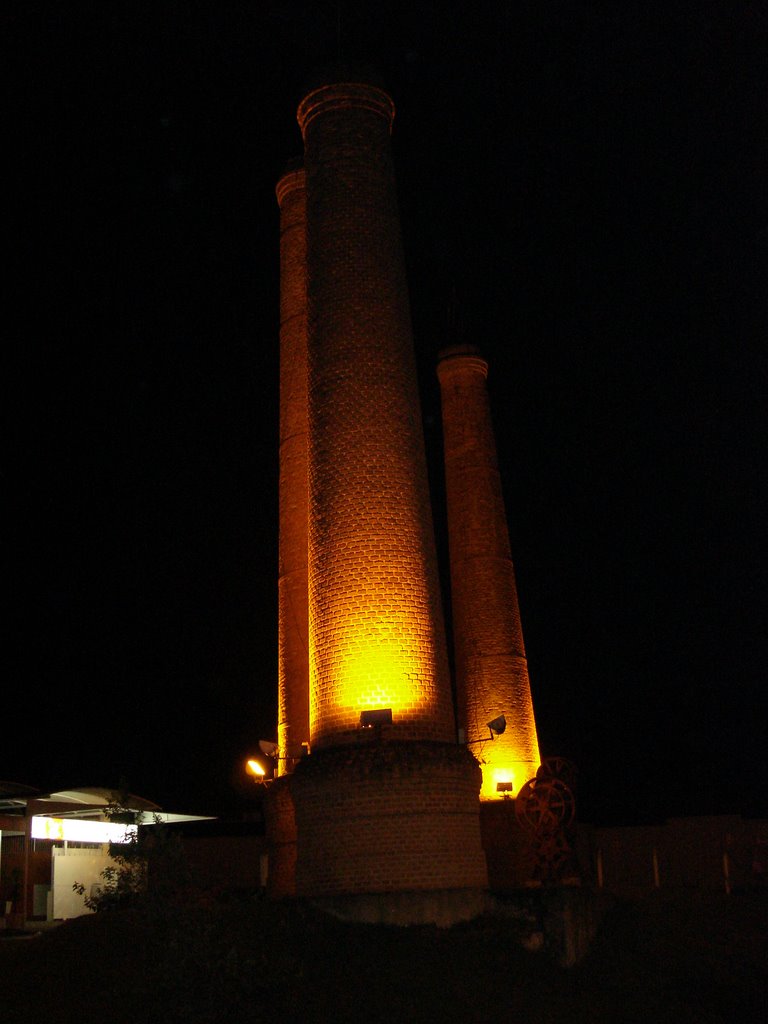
point(387, 801)
point(293, 614)
point(381, 660)
point(373, 638)
point(375, 617)
point(491, 666)
point(503, 761)
point(502, 770)
point(379, 673)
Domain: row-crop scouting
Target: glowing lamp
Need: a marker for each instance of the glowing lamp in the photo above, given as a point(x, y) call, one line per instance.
point(78, 830)
point(254, 768)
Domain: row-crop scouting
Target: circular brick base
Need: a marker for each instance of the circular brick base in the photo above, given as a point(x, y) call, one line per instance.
point(388, 817)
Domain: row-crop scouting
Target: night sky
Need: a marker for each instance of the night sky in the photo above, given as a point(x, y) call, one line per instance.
point(582, 190)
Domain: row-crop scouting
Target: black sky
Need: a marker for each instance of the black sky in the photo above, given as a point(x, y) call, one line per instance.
point(582, 190)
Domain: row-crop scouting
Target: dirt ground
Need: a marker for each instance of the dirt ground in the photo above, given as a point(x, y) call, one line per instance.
point(677, 959)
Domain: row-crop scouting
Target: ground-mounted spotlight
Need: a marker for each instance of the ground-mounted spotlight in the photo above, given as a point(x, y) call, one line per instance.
point(376, 718)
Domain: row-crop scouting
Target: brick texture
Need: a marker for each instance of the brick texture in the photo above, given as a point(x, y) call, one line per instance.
point(393, 809)
point(280, 821)
point(375, 619)
point(491, 666)
point(509, 851)
point(388, 817)
point(293, 602)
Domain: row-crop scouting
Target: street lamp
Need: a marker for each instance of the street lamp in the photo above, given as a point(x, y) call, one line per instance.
point(254, 768)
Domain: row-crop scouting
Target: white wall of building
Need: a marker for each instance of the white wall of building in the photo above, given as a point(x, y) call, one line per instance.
point(82, 865)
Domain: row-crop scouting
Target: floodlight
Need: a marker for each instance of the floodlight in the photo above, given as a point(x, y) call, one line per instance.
point(268, 748)
point(379, 717)
point(497, 725)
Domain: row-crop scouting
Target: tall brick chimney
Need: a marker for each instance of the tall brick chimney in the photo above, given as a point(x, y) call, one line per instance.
point(376, 627)
point(387, 801)
point(491, 667)
point(293, 610)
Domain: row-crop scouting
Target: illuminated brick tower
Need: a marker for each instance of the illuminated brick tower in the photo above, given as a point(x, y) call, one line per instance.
point(491, 667)
point(376, 618)
point(387, 801)
point(293, 612)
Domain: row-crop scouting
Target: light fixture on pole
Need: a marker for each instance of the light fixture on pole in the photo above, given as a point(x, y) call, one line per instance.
point(261, 770)
point(254, 768)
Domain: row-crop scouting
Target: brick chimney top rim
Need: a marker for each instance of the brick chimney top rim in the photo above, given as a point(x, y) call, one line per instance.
point(461, 357)
point(345, 95)
point(292, 179)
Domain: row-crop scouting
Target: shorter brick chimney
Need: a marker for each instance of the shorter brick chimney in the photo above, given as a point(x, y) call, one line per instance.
point(491, 667)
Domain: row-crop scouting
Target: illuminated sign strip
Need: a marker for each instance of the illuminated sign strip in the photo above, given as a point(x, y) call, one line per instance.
point(76, 830)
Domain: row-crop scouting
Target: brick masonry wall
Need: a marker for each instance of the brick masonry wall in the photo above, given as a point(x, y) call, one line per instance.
point(280, 821)
point(491, 667)
point(394, 809)
point(376, 629)
point(388, 817)
point(293, 599)
point(509, 850)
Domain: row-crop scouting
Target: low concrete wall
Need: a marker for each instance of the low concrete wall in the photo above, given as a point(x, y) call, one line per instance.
point(440, 907)
point(707, 853)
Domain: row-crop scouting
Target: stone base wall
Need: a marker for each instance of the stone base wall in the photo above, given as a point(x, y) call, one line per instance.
point(441, 907)
point(508, 849)
point(280, 822)
point(392, 817)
